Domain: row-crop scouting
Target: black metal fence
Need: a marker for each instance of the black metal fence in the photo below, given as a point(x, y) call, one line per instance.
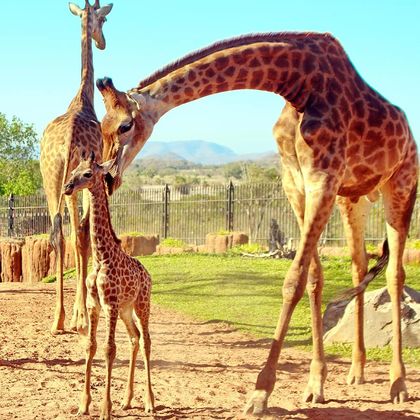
point(190, 212)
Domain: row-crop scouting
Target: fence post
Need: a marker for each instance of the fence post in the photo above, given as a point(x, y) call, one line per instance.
point(229, 212)
point(11, 214)
point(166, 198)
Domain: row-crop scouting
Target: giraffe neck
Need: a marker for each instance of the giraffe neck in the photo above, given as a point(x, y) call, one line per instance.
point(86, 89)
point(291, 65)
point(103, 238)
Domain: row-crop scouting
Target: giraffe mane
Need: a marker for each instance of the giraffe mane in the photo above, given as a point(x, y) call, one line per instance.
point(223, 45)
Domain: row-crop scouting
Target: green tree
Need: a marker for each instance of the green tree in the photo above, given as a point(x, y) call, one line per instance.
point(19, 171)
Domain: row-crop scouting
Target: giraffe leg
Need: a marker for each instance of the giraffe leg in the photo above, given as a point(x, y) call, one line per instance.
point(80, 240)
point(318, 370)
point(93, 310)
point(126, 315)
point(142, 309)
point(320, 195)
point(314, 391)
point(111, 315)
point(57, 241)
point(399, 198)
point(354, 216)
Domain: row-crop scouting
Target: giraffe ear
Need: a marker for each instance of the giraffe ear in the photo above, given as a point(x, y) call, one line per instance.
point(107, 166)
point(75, 9)
point(104, 10)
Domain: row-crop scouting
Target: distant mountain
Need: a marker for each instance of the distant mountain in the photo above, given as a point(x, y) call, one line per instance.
point(196, 151)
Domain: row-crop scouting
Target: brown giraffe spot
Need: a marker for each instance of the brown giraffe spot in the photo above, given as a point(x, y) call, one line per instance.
point(392, 143)
point(398, 129)
point(196, 84)
point(220, 79)
point(309, 63)
point(242, 75)
point(222, 87)
point(359, 108)
point(210, 72)
point(208, 90)
point(192, 75)
point(257, 77)
point(296, 58)
point(221, 63)
point(254, 63)
point(331, 97)
point(230, 71)
point(189, 91)
point(239, 59)
point(271, 74)
point(357, 127)
point(175, 88)
point(332, 50)
point(282, 61)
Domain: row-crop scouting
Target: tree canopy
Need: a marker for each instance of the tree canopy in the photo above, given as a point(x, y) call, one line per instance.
point(19, 170)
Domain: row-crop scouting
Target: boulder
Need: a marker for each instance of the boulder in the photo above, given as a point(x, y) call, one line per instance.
point(11, 259)
point(221, 243)
point(38, 259)
point(139, 245)
point(338, 319)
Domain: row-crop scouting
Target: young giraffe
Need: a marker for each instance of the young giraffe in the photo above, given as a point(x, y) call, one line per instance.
point(337, 138)
point(63, 140)
point(118, 283)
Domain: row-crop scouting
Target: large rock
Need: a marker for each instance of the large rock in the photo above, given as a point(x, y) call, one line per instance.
point(139, 245)
point(339, 319)
point(11, 260)
point(221, 243)
point(38, 259)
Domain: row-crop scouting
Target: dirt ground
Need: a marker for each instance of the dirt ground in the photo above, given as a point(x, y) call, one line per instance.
point(199, 370)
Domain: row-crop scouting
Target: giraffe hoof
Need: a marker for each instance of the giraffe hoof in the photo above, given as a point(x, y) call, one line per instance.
point(355, 380)
point(57, 331)
point(257, 404)
point(313, 397)
point(126, 405)
point(399, 392)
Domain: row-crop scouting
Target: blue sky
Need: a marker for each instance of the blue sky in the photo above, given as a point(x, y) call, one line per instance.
point(40, 64)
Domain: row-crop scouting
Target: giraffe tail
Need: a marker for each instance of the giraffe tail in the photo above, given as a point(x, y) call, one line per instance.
point(377, 269)
point(56, 236)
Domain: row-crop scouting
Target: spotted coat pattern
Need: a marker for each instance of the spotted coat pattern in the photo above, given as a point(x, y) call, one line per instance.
point(337, 137)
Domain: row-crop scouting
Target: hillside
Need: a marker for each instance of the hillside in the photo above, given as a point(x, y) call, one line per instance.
point(196, 151)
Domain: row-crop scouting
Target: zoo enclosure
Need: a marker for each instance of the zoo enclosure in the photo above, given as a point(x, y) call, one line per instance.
point(189, 212)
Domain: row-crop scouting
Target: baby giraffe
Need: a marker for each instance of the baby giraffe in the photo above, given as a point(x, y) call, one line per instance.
point(118, 284)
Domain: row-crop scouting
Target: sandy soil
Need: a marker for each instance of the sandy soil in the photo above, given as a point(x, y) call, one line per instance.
point(199, 370)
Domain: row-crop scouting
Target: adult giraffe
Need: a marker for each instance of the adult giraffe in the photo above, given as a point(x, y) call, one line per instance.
point(337, 138)
point(64, 139)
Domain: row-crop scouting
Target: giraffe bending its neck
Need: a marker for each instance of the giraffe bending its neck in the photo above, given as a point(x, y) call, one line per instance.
point(63, 141)
point(337, 137)
point(118, 283)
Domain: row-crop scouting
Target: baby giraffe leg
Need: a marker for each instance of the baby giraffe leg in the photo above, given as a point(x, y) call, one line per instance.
point(126, 315)
point(111, 315)
point(142, 311)
point(91, 346)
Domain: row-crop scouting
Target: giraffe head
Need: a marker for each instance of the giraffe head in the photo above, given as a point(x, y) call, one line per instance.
point(98, 14)
point(125, 128)
point(87, 174)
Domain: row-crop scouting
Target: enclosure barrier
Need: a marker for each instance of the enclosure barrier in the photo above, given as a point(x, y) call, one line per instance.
point(189, 212)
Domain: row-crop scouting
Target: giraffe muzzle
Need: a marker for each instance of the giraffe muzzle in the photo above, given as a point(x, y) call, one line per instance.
point(68, 188)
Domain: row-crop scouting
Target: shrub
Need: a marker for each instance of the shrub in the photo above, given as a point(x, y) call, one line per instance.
point(247, 248)
point(173, 243)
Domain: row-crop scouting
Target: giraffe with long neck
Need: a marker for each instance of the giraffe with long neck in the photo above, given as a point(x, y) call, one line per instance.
point(118, 283)
point(63, 140)
point(337, 137)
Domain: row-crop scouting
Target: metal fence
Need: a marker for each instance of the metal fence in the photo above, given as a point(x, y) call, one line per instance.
point(190, 212)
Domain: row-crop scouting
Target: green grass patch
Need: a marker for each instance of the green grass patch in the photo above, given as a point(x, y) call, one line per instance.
point(246, 293)
point(173, 243)
point(67, 275)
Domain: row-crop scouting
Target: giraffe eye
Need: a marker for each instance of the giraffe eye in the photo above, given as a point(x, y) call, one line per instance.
point(87, 174)
point(124, 127)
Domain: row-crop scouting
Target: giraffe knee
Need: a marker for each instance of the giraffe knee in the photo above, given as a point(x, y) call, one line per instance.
point(56, 236)
point(110, 351)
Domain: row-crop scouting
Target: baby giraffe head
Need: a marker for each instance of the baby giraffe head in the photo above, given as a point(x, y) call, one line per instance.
point(87, 174)
point(98, 18)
